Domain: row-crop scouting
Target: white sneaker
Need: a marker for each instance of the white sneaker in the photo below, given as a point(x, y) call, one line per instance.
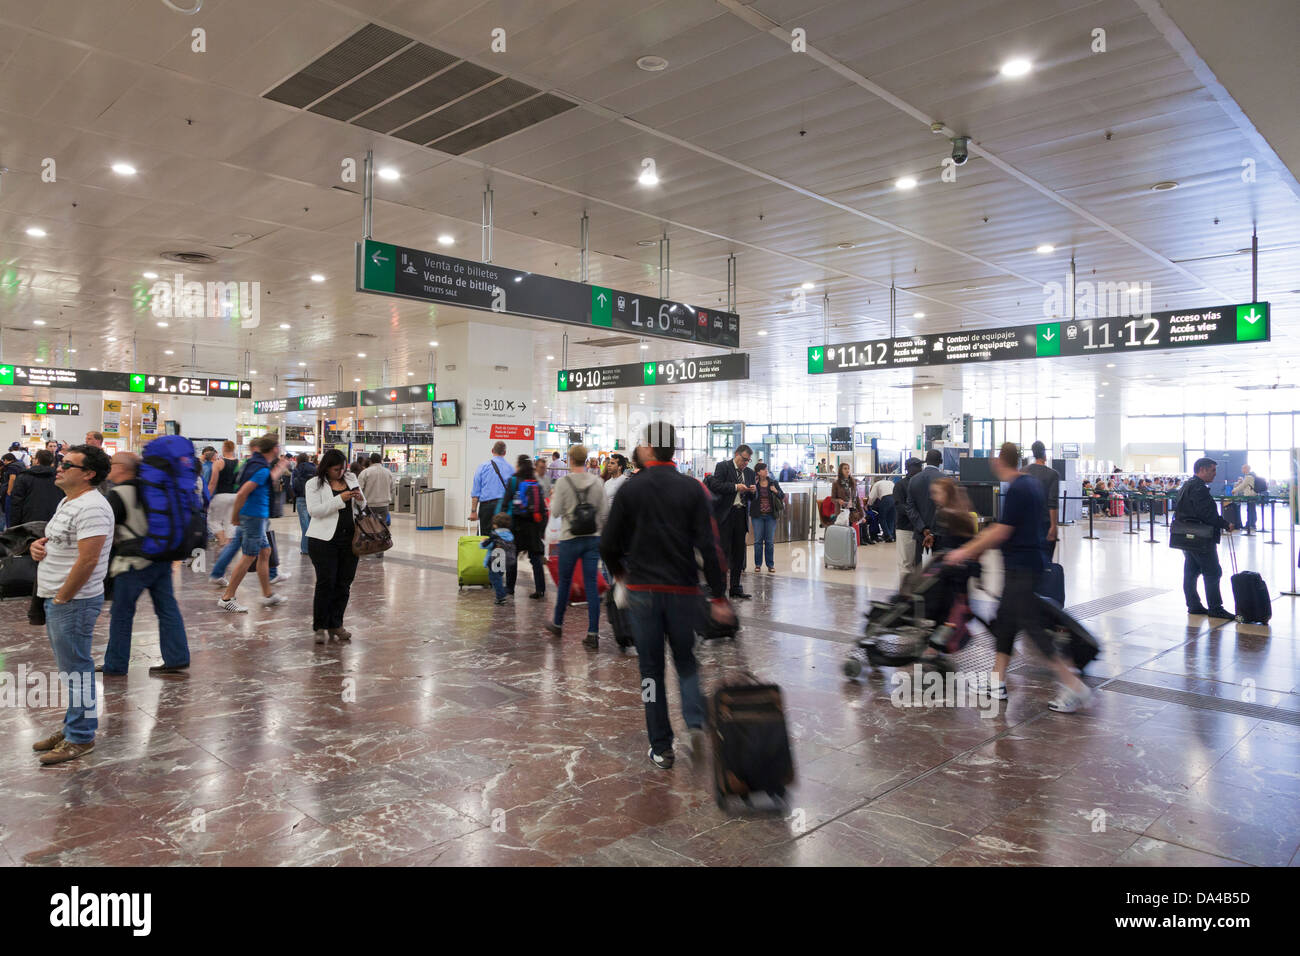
point(280, 578)
point(273, 600)
point(232, 606)
point(995, 689)
point(1067, 701)
point(222, 583)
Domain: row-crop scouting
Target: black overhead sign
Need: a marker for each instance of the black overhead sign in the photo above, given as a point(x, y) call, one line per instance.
point(304, 403)
point(1178, 329)
point(41, 408)
point(386, 269)
point(43, 376)
point(398, 395)
point(711, 368)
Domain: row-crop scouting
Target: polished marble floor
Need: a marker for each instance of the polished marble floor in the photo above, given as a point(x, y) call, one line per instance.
point(452, 732)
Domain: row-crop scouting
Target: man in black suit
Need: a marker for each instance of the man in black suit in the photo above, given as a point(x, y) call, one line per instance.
point(732, 484)
point(920, 506)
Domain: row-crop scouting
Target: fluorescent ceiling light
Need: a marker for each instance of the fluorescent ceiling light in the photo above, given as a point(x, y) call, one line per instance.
point(433, 344)
point(361, 355)
point(905, 182)
point(38, 322)
point(1018, 66)
point(918, 315)
point(162, 325)
point(150, 275)
point(807, 285)
point(284, 325)
point(123, 169)
point(389, 173)
point(317, 277)
point(1045, 249)
point(762, 331)
point(446, 240)
point(36, 232)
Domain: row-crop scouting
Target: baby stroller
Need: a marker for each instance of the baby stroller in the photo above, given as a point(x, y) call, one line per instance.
point(925, 623)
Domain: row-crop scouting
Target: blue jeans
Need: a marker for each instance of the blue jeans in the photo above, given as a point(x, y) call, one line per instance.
point(1202, 564)
point(304, 519)
point(228, 553)
point(71, 627)
point(587, 550)
point(888, 518)
point(655, 617)
point(764, 540)
point(127, 588)
point(498, 580)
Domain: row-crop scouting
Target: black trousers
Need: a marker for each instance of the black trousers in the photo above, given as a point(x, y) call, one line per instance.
point(335, 566)
point(539, 578)
point(734, 528)
point(1019, 611)
point(486, 512)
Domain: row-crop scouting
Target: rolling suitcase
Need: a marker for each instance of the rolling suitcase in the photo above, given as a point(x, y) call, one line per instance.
point(1250, 598)
point(1072, 638)
point(751, 743)
point(1052, 583)
point(578, 588)
point(470, 570)
point(840, 549)
point(617, 618)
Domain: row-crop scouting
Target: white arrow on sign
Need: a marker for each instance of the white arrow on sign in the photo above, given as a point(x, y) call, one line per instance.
point(601, 299)
point(1048, 336)
point(1253, 317)
point(817, 356)
point(376, 258)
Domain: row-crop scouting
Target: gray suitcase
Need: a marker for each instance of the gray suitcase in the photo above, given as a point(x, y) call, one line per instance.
point(840, 549)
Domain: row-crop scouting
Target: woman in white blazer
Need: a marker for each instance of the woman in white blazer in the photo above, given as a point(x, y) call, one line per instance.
point(334, 499)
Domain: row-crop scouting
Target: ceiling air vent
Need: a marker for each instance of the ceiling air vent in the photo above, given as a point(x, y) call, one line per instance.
point(190, 258)
point(610, 343)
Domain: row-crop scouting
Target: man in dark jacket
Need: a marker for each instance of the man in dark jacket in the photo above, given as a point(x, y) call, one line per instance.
point(903, 522)
point(301, 472)
point(656, 527)
point(920, 506)
point(732, 484)
point(35, 495)
point(1195, 502)
point(10, 469)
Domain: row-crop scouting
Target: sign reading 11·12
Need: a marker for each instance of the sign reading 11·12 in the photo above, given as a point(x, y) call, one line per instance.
point(712, 368)
point(1177, 329)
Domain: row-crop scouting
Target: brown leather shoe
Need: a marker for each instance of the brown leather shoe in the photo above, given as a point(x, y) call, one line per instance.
point(49, 743)
point(340, 633)
point(66, 750)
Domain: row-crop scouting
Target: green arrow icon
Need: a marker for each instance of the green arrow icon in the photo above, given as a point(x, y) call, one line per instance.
point(563, 385)
point(1252, 322)
point(431, 390)
point(648, 375)
point(137, 383)
point(816, 360)
point(6, 374)
point(602, 313)
point(1049, 339)
point(40, 408)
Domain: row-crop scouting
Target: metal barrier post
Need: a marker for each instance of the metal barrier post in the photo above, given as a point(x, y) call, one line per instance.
point(1126, 499)
point(1151, 515)
point(1272, 522)
point(1090, 536)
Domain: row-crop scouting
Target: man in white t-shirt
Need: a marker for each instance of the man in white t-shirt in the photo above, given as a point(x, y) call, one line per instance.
point(72, 560)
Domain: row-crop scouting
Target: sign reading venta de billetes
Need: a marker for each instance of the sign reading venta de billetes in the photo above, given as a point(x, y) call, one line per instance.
point(386, 269)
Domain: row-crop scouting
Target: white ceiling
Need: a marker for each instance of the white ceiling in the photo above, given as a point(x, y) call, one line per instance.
point(772, 155)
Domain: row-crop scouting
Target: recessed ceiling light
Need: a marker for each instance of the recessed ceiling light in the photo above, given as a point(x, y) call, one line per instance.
point(317, 277)
point(647, 242)
point(846, 245)
point(94, 369)
point(41, 360)
point(918, 315)
point(409, 374)
point(284, 325)
point(550, 358)
point(252, 371)
point(1016, 67)
point(162, 325)
point(36, 232)
point(446, 240)
point(651, 63)
point(648, 175)
point(433, 344)
point(302, 364)
point(645, 346)
point(1165, 186)
point(389, 173)
point(807, 285)
point(361, 355)
point(1101, 394)
point(905, 182)
point(123, 169)
point(1045, 248)
point(168, 352)
point(38, 322)
point(762, 331)
point(356, 380)
point(150, 275)
point(72, 350)
point(110, 339)
point(1110, 364)
point(1104, 384)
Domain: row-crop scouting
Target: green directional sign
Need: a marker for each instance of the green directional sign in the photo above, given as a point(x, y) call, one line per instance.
point(136, 383)
point(648, 373)
point(1049, 339)
point(1252, 322)
point(562, 381)
point(40, 408)
point(378, 269)
point(432, 392)
point(816, 359)
point(602, 307)
point(6, 374)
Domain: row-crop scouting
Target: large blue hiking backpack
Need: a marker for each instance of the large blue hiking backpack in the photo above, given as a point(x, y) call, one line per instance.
point(172, 506)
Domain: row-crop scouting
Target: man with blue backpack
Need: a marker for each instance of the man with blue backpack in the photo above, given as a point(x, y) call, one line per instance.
point(525, 504)
point(154, 524)
point(253, 509)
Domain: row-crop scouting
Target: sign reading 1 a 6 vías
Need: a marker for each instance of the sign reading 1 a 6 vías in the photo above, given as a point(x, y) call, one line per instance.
point(1176, 329)
point(712, 368)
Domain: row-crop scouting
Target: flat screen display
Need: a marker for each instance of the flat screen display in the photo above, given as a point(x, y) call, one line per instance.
point(446, 412)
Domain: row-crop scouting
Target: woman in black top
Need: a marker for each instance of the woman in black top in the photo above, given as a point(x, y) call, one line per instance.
point(331, 497)
point(529, 534)
point(764, 508)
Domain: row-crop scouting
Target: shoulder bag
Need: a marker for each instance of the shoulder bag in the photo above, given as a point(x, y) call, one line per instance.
point(371, 535)
point(1187, 533)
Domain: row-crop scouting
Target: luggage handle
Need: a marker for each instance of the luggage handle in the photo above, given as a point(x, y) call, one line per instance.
point(1232, 551)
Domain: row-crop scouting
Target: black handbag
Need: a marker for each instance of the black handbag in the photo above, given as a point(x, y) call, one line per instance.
point(1189, 534)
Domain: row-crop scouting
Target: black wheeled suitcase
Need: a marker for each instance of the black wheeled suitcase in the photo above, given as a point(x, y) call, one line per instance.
point(1052, 583)
point(1072, 638)
point(751, 744)
point(618, 622)
point(1250, 597)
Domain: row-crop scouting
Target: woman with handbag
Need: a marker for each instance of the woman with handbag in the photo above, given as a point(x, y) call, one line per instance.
point(845, 493)
point(525, 503)
point(335, 502)
point(764, 508)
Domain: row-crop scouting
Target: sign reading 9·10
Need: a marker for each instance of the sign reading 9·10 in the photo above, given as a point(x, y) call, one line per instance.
point(710, 368)
point(1177, 329)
